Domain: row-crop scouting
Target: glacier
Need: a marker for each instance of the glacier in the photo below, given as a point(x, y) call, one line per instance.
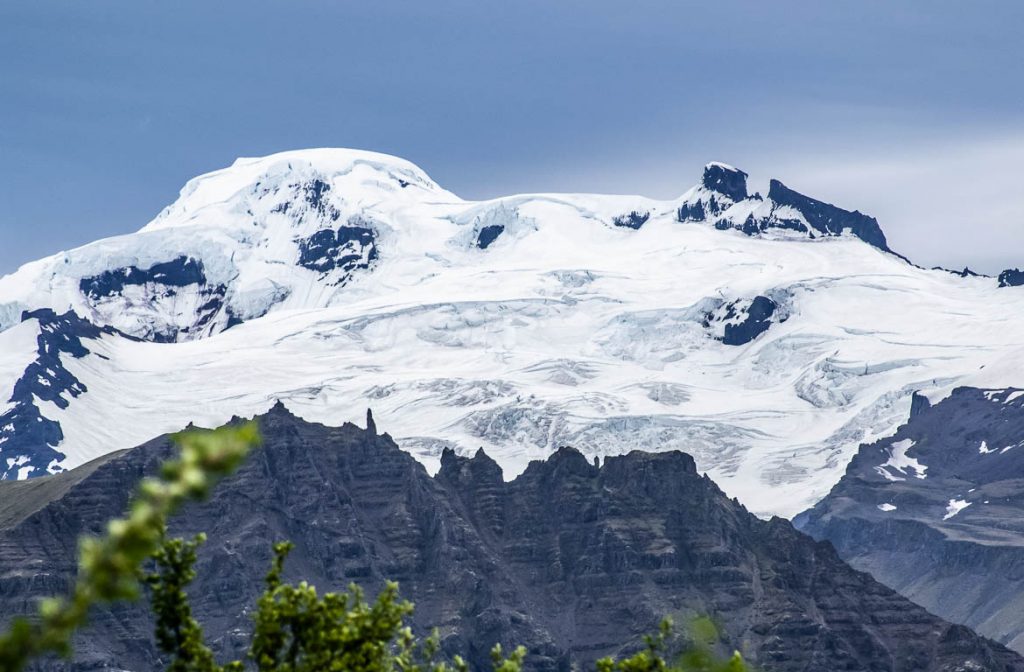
point(768, 336)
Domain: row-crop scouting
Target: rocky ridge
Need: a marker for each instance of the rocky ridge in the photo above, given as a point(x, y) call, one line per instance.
point(937, 510)
point(574, 559)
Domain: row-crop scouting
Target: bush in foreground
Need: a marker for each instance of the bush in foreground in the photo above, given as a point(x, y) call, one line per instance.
point(296, 630)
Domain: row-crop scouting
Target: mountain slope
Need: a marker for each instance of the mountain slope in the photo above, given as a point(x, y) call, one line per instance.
point(936, 511)
point(572, 559)
point(768, 335)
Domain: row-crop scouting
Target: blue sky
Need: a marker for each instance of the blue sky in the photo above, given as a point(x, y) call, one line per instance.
point(912, 111)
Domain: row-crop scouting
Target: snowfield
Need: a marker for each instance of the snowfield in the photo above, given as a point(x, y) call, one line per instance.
point(337, 280)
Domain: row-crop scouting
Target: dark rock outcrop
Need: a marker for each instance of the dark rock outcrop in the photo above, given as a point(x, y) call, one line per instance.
point(340, 251)
point(827, 219)
point(117, 289)
point(965, 273)
point(937, 511)
point(572, 559)
point(28, 439)
point(725, 180)
point(488, 234)
point(693, 212)
point(632, 220)
point(741, 321)
point(723, 187)
point(1011, 277)
point(179, 272)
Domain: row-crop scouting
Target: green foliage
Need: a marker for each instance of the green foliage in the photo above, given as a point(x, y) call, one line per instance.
point(177, 633)
point(414, 656)
point(514, 663)
point(298, 631)
point(698, 657)
point(109, 566)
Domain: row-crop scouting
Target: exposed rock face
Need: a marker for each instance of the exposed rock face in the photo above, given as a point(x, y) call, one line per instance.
point(28, 439)
point(175, 296)
point(572, 559)
point(179, 272)
point(720, 187)
point(632, 220)
point(725, 180)
point(342, 251)
point(827, 219)
point(966, 272)
point(722, 199)
point(741, 321)
point(937, 511)
point(488, 235)
point(1011, 277)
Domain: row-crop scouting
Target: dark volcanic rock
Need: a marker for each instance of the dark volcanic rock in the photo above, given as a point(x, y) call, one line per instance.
point(723, 187)
point(488, 235)
point(572, 559)
point(131, 286)
point(744, 321)
point(1011, 277)
point(344, 250)
point(827, 219)
point(725, 180)
point(179, 272)
point(632, 220)
point(741, 321)
point(697, 211)
point(965, 273)
point(28, 439)
point(937, 511)
point(726, 185)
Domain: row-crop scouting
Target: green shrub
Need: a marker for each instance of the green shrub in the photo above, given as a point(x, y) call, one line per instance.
point(109, 567)
point(296, 630)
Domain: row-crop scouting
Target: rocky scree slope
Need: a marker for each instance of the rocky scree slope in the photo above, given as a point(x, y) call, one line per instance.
point(572, 559)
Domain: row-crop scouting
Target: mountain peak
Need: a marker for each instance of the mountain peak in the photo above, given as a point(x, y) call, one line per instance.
point(827, 219)
point(725, 179)
point(279, 410)
point(359, 174)
point(330, 278)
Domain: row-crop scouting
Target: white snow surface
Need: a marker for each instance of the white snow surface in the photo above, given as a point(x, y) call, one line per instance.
point(900, 465)
point(954, 507)
point(566, 330)
point(17, 348)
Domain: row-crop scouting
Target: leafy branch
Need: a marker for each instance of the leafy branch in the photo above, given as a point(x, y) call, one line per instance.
point(109, 567)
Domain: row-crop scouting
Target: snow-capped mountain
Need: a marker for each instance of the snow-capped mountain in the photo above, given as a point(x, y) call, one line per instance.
point(766, 335)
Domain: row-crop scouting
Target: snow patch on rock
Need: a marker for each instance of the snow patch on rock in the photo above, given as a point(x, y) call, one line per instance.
point(902, 463)
point(954, 507)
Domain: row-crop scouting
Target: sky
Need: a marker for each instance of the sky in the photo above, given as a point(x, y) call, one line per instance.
point(911, 111)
